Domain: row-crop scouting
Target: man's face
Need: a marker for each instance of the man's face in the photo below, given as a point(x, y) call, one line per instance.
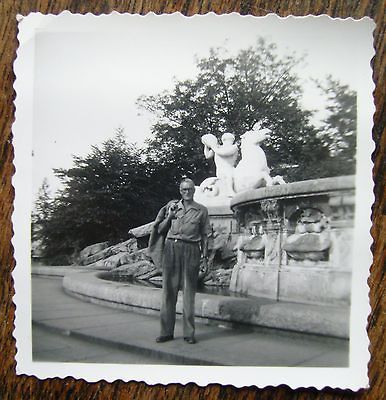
point(187, 191)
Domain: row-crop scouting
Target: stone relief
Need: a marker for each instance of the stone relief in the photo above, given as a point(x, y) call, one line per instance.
point(270, 210)
point(311, 239)
point(272, 249)
point(253, 246)
point(258, 245)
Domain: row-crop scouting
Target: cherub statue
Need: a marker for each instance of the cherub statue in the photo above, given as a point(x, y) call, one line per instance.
point(225, 156)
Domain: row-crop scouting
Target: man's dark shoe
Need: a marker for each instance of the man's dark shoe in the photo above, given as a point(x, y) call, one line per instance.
point(162, 339)
point(190, 340)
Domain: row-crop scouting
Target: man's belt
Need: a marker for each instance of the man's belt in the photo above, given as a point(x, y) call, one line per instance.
point(182, 240)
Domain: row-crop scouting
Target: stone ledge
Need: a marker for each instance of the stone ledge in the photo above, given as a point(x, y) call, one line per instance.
point(56, 271)
point(305, 318)
point(311, 187)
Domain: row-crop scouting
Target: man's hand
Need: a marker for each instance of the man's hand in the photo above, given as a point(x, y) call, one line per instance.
point(172, 211)
point(204, 268)
point(165, 217)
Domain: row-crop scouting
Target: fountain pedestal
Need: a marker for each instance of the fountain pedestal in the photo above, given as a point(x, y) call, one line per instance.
point(295, 241)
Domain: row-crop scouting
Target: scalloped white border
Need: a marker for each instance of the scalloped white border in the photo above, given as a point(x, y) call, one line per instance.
point(354, 377)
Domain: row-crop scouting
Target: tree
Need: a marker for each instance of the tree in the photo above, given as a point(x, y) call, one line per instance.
point(118, 186)
point(40, 218)
point(230, 94)
point(104, 195)
point(339, 126)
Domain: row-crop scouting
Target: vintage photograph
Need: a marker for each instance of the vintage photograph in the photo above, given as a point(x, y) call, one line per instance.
point(193, 192)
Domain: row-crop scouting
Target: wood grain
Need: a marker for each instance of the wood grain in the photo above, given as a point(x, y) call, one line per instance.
point(23, 387)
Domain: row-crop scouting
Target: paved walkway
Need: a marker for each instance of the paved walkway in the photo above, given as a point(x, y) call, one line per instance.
point(101, 334)
point(56, 347)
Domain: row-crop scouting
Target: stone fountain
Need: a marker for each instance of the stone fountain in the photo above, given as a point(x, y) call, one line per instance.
point(285, 249)
point(293, 240)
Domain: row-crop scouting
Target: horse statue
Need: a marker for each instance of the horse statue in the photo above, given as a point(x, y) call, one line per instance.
point(252, 171)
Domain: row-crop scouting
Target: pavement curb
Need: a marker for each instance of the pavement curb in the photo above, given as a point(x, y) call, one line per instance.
point(161, 354)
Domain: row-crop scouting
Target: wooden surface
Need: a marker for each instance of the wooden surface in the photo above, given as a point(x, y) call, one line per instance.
point(23, 387)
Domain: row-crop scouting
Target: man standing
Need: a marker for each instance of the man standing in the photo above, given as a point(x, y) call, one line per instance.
point(186, 226)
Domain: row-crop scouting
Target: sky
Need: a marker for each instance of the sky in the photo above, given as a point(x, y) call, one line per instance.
point(88, 72)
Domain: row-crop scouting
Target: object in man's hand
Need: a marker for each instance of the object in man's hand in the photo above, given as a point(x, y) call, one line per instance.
point(172, 209)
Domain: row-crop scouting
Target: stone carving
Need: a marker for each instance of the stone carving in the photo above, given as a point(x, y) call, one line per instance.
point(308, 238)
point(225, 156)
point(251, 248)
point(91, 250)
point(272, 249)
point(254, 248)
point(220, 245)
point(141, 269)
point(311, 238)
point(270, 209)
point(242, 239)
point(251, 172)
point(222, 257)
point(118, 259)
point(97, 258)
point(219, 278)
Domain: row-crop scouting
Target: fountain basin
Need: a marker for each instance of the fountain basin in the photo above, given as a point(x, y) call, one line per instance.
point(230, 311)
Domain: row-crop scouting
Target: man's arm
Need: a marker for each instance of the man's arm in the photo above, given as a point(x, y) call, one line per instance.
point(204, 250)
point(169, 214)
point(164, 226)
point(204, 246)
point(205, 230)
